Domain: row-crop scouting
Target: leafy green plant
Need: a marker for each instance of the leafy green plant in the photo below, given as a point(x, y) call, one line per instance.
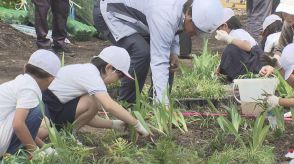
point(122, 151)
point(257, 136)
point(283, 88)
point(248, 74)
point(161, 117)
point(166, 117)
point(259, 133)
point(167, 151)
point(232, 126)
point(243, 155)
point(200, 81)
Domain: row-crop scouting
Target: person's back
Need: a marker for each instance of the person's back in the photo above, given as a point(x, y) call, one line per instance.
point(243, 35)
point(75, 80)
point(21, 92)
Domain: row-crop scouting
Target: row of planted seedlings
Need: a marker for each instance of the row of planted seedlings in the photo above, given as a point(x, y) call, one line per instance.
point(197, 85)
point(230, 139)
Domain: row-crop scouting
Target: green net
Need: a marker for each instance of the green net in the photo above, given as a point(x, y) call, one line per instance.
point(13, 16)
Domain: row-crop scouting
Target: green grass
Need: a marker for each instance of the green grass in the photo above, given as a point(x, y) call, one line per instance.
point(263, 155)
point(200, 81)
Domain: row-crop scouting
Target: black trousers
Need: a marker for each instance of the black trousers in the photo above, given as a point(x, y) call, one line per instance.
point(185, 44)
point(235, 62)
point(139, 50)
point(60, 9)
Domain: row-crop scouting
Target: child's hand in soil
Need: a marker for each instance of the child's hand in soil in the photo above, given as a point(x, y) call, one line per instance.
point(141, 130)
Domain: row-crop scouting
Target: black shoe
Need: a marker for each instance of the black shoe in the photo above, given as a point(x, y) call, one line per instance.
point(63, 49)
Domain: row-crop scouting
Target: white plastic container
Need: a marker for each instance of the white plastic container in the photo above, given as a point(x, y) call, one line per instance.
point(252, 89)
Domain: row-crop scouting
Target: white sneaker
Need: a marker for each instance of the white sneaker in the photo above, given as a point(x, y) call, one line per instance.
point(288, 114)
point(290, 155)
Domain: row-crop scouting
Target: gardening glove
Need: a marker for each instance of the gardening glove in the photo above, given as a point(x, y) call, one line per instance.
point(272, 101)
point(141, 130)
point(267, 60)
point(38, 153)
point(223, 36)
point(49, 151)
point(119, 126)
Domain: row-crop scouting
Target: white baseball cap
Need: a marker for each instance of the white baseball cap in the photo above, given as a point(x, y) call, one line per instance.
point(269, 20)
point(46, 60)
point(227, 14)
point(286, 6)
point(207, 15)
point(118, 57)
point(287, 60)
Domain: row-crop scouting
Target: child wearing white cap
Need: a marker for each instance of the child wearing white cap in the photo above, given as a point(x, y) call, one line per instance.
point(287, 64)
point(79, 91)
point(271, 27)
point(20, 114)
point(242, 52)
point(287, 9)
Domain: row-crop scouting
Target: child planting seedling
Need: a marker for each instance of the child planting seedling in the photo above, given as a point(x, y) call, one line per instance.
point(241, 48)
point(20, 114)
point(287, 63)
point(79, 91)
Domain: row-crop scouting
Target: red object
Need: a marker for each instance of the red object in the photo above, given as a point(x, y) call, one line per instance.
point(290, 150)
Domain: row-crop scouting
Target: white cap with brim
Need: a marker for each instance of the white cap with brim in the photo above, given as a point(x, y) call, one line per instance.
point(207, 15)
point(287, 60)
point(286, 6)
point(118, 57)
point(228, 14)
point(269, 20)
point(45, 60)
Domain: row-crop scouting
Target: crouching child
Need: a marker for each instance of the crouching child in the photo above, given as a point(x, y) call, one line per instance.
point(20, 113)
point(79, 92)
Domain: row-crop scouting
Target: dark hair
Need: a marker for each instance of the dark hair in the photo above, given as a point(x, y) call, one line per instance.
point(188, 7)
point(99, 63)
point(234, 23)
point(272, 28)
point(36, 71)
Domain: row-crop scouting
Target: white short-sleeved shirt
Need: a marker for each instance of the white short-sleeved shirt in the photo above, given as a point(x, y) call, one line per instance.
point(22, 92)
point(76, 80)
point(271, 41)
point(243, 35)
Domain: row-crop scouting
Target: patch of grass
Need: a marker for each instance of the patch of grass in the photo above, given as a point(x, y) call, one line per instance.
point(122, 151)
point(168, 152)
point(68, 152)
point(200, 81)
point(264, 155)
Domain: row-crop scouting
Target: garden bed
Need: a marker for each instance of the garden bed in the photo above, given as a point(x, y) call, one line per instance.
point(200, 144)
point(205, 138)
point(192, 103)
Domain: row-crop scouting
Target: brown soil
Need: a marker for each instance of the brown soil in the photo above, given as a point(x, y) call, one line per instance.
point(283, 142)
point(16, 47)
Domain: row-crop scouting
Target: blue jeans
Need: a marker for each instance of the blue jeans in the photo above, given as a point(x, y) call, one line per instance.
point(33, 123)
